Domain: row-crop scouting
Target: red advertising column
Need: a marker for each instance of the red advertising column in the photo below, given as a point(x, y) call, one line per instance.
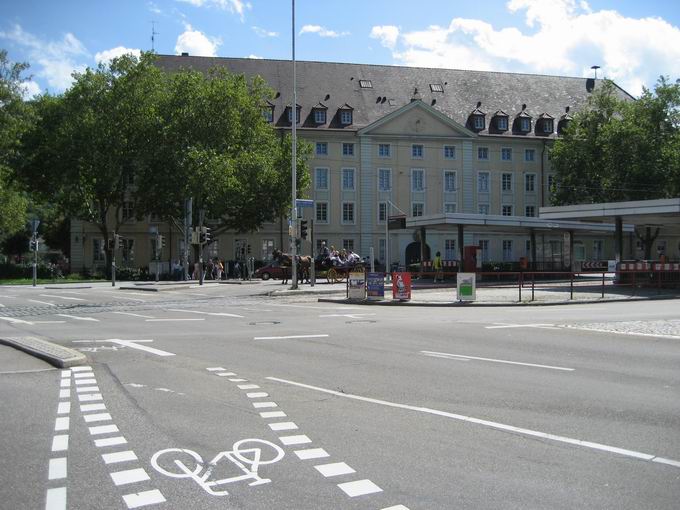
point(401, 286)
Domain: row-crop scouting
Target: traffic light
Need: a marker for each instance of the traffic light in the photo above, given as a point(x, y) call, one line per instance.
point(34, 244)
point(205, 235)
point(118, 241)
point(248, 249)
point(195, 238)
point(161, 241)
point(303, 229)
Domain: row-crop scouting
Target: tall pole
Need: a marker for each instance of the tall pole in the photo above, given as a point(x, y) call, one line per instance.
point(187, 236)
point(294, 159)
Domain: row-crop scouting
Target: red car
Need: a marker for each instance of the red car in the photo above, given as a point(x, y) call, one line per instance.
point(273, 270)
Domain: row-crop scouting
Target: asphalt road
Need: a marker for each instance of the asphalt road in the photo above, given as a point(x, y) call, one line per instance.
point(216, 397)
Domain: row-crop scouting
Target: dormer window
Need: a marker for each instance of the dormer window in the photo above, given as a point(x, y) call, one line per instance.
point(523, 121)
point(320, 113)
point(289, 114)
point(525, 124)
point(545, 124)
point(268, 112)
point(564, 121)
point(477, 118)
point(478, 122)
point(500, 121)
point(345, 115)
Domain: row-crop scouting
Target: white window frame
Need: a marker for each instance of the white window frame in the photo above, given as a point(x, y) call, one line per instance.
point(450, 249)
point(487, 180)
point(506, 151)
point(349, 172)
point(342, 213)
point(290, 115)
point(524, 124)
point(384, 150)
point(346, 117)
point(348, 244)
point(417, 151)
point(507, 184)
point(451, 149)
point(526, 211)
point(478, 122)
point(382, 208)
point(321, 145)
point(389, 179)
point(509, 208)
point(533, 155)
point(268, 114)
point(317, 205)
point(98, 253)
point(502, 123)
point(548, 123)
point(127, 212)
point(450, 205)
point(486, 153)
point(484, 248)
point(530, 178)
point(483, 209)
point(316, 178)
point(319, 116)
point(507, 250)
point(446, 181)
point(414, 172)
point(348, 145)
point(422, 209)
point(266, 249)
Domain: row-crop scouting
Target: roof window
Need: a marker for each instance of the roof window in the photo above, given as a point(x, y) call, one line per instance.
point(436, 87)
point(365, 84)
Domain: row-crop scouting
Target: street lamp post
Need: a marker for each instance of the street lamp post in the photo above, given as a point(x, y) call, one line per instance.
point(293, 116)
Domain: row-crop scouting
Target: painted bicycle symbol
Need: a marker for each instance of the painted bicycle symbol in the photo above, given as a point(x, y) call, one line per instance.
point(246, 455)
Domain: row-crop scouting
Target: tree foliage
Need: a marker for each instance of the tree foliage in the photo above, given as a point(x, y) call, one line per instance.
point(15, 118)
point(618, 150)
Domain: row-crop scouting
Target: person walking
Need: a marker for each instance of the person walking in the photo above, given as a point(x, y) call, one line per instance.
point(438, 268)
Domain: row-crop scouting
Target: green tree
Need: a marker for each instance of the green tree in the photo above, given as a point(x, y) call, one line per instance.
point(15, 118)
point(619, 150)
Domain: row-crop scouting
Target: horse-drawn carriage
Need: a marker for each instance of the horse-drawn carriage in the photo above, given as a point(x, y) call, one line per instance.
point(324, 267)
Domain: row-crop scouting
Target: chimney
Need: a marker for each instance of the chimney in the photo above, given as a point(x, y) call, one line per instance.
point(185, 54)
point(416, 95)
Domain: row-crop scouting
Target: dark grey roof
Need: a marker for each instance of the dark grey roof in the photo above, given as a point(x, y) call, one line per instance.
point(393, 87)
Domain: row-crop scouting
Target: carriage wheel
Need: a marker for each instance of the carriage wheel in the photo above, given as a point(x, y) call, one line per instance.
point(333, 276)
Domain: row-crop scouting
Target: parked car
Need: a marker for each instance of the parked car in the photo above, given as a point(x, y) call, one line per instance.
point(274, 271)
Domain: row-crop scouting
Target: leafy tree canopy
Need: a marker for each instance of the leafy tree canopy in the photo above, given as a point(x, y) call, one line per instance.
point(618, 150)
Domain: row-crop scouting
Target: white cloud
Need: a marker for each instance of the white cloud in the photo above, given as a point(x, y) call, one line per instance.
point(321, 31)
point(108, 55)
point(197, 43)
point(560, 37)
point(29, 89)
point(153, 8)
point(256, 57)
point(386, 34)
point(261, 32)
point(53, 61)
point(234, 6)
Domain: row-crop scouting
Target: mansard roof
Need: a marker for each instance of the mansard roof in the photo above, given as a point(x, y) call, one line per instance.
point(393, 87)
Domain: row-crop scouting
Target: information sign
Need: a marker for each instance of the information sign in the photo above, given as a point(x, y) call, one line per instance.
point(467, 288)
point(375, 286)
point(357, 286)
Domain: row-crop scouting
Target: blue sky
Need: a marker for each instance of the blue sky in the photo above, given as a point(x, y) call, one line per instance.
point(634, 42)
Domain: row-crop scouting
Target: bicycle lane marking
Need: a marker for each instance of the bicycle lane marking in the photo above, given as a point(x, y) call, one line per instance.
point(106, 435)
point(354, 488)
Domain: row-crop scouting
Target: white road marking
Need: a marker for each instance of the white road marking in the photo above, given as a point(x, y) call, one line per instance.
point(130, 343)
point(56, 499)
point(65, 383)
point(293, 440)
point(273, 414)
point(84, 408)
point(83, 375)
point(491, 424)
point(464, 356)
point(135, 315)
point(317, 307)
point(60, 443)
point(216, 369)
point(334, 469)
point(145, 498)
point(447, 357)
point(103, 429)
point(57, 469)
point(64, 408)
point(264, 405)
point(359, 488)
point(226, 374)
point(87, 389)
point(15, 321)
point(78, 318)
point(284, 425)
point(630, 333)
point(62, 297)
point(89, 418)
point(62, 423)
point(499, 325)
point(287, 337)
point(114, 458)
point(219, 314)
point(136, 385)
point(9, 297)
point(65, 393)
point(49, 322)
point(257, 394)
point(248, 387)
point(311, 453)
point(172, 320)
point(85, 381)
point(129, 476)
point(348, 315)
point(81, 368)
point(42, 302)
point(89, 397)
point(110, 441)
point(66, 373)
point(397, 507)
point(238, 380)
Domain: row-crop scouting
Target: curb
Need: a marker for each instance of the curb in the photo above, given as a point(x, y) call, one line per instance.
point(300, 292)
point(54, 354)
point(456, 304)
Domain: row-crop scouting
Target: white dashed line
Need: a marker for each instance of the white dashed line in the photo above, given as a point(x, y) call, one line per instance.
point(285, 425)
point(89, 418)
point(83, 375)
point(60, 443)
point(273, 414)
point(238, 380)
point(87, 389)
point(257, 394)
point(89, 397)
point(463, 356)
point(334, 469)
point(293, 440)
point(216, 369)
point(397, 507)
point(42, 302)
point(65, 383)
point(103, 429)
point(110, 441)
point(56, 499)
point(61, 424)
point(85, 381)
point(359, 488)
point(57, 469)
point(64, 407)
point(135, 315)
point(81, 368)
point(92, 407)
point(172, 320)
point(220, 314)
point(289, 337)
point(62, 297)
point(129, 476)
point(264, 405)
point(311, 453)
point(65, 393)
point(114, 458)
point(144, 498)
point(15, 321)
point(78, 318)
point(248, 387)
point(226, 374)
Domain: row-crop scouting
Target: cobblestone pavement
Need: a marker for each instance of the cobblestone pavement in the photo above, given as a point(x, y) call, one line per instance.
point(664, 328)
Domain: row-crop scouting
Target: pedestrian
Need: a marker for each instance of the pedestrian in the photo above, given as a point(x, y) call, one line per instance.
point(438, 267)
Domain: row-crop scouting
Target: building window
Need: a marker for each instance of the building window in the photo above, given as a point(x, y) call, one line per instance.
point(547, 125)
point(381, 249)
point(348, 179)
point(348, 212)
point(417, 151)
point(348, 244)
point(348, 149)
point(506, 182)
point(450, 249)
point(483, 182)
point(450, 207)
point(345, 117)
point(322, 148)
point(483, 208)
point(417, 179)
point(478, 122)
point(384, 179)
point(154, 251)
point(551, 183)
point(384, 150)
point(506, 210)
point(507, 250)
point(527, 248)
point(321, 180)
point(98, 254)
point(506, 154)
point(598, 249)
point(127, 211)
point(290, 115)
point(417, 209)
point(525, 124)
point(483, 153)
point(382, 212)
point(502, 123)
point(436, 87)
point(449, 152)
point(365, 84)
point(267, 249)
point(529, 155)
point(320, 243)
point(530, 211)
point(321, 212)
point(268, 114)
point(320, 116)
point(484, 248)
point(128, 250)
point(530, 183)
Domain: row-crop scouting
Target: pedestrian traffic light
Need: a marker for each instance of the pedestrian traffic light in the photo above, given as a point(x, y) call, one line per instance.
point(205, 235)
point(248, 249)
point(195, 238)
point(161, 241)
point(303, 229)
point(117, 241)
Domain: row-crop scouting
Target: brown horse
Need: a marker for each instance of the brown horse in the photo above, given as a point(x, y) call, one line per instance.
point(304, 263)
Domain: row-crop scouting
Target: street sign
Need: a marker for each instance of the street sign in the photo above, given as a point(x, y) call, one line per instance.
point(303, 202)
point(396, 222)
